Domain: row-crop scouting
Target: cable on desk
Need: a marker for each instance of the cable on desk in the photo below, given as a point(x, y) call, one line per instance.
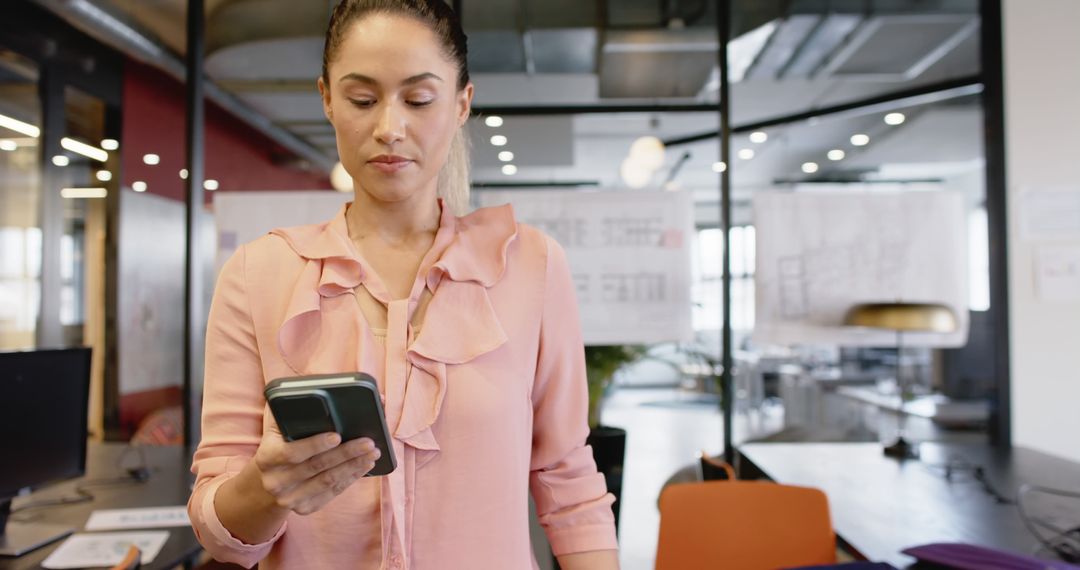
point(959, 465)
point(1065, 543)
point(137, 474)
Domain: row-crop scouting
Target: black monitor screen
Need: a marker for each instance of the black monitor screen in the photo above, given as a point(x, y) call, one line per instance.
point(43, 407)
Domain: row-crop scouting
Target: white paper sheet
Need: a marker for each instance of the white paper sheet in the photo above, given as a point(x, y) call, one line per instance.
point(148, 517)
point(1057, 273)
point(105, 548)
point(1050, 213)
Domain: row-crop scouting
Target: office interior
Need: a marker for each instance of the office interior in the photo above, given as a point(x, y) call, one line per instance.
point(816, 153)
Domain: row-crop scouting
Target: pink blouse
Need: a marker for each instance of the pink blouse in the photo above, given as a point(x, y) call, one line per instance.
point(486, 401)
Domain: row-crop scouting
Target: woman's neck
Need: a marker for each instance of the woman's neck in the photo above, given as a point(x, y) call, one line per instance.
point(394, 223)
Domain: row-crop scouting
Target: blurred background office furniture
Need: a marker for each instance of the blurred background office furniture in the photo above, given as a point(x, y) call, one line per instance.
point(881, 506)
point(111, 470)
point(910, 318)
point(44, 396)
point(750, 525)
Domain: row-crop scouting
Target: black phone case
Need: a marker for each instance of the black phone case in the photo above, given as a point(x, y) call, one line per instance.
point(352, 408)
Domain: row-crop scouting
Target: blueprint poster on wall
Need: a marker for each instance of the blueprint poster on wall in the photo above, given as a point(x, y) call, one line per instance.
point(820, 253)
point(629, 253)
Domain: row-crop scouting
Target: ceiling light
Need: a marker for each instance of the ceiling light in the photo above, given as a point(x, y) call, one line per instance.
point(860, 140)
point(340, 178)
point(506, 156)
point(719, 167)
point(104, 175)
point(151, 159)
point(894, 119)
point(183, 173)
point(494, 121)
point(509, 169)
point(61, 160)
point(84, 149)
point(138, 186)
point(109, 144)
point(746, 153)
point(649, 152)
point(836, 154)
point(634, 174)
point(19, 126)
point(83, 192)
point(210, 185)
point(8, 145)
point(498, 140)
point(809, 167)
point(759, 137)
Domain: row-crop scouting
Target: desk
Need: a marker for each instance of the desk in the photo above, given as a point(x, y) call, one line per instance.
point(881, 506)
point(169, 485)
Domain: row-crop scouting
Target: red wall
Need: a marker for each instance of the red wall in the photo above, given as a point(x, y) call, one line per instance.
point(237, 156)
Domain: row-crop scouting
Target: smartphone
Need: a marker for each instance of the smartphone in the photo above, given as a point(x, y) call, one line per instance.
point(346, 403)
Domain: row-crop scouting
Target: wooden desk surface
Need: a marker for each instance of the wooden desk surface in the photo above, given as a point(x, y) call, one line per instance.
point(169, 485)
point(881, 506)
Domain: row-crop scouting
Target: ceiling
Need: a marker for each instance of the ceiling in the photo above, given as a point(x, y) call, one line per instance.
point(788, 56)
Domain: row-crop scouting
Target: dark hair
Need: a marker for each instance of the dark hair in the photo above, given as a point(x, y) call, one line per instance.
point(438, 16)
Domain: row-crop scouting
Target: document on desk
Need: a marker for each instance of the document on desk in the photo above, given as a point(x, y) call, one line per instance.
point(147, 517)
point(105, 548)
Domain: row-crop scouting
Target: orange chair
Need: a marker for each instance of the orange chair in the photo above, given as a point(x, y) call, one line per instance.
point(743, 525)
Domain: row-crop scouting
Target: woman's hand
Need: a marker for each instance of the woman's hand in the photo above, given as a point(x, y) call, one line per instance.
point(304, 475)
point(300, 477)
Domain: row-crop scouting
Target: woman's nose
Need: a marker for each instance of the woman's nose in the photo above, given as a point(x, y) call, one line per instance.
point(390, 127)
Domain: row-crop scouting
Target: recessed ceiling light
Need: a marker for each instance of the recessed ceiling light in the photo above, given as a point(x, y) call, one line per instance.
point(498, 140)
point(509, 169)
point(494, 121)
point(210, 185)
point(719, 167)
point(506, 156)
point(8, 145)
point(894, 118)
point(110, 144)
point(860, 140)
point(809, 167)
point(84, 149)
point(103, 175)
point(183, 173)
point(151, 159)
point(759, 137)
point(61, 160)
point(836, 154)
point(19, 126)
point(83, 193)
point(746, 153)
point(138, 186)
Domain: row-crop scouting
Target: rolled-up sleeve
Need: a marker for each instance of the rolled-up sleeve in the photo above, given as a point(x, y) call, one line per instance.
point(232, 413)
point(572, 501)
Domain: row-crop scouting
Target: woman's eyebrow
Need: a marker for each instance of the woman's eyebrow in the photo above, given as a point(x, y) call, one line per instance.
point(372, 81)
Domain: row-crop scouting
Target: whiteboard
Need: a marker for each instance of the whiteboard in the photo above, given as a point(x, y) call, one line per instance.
point(629, 253)
point(245, 216)
point(820, 253)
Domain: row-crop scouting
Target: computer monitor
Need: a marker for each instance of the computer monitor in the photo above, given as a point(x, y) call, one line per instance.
point(44, 396)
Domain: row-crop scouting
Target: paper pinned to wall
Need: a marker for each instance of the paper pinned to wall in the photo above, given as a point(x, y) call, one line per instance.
point(1050, 213)
point(629, 253)
point(821, 253)
point(1057, 273)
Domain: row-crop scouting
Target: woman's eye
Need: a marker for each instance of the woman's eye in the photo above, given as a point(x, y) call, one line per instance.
point(420, 102)
point(362, 103)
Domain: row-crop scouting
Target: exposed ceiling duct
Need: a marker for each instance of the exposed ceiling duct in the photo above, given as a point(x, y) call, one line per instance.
point(122, 36)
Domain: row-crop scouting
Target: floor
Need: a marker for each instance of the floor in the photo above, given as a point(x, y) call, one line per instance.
point(666, 429)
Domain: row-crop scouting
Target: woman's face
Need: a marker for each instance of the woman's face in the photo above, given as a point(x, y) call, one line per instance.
point(394, 104)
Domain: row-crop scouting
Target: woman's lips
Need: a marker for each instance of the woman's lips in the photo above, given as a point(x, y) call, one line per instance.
point(389, 164)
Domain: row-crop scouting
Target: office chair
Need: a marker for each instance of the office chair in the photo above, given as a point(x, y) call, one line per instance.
point(749, 525)
point(132, 560)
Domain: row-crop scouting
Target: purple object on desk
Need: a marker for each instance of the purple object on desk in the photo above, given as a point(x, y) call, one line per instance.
point(971, 557)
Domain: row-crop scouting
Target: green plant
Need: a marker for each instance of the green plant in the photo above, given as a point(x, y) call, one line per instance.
point(601, 364)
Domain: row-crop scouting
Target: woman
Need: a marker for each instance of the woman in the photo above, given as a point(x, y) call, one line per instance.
point(469, 325)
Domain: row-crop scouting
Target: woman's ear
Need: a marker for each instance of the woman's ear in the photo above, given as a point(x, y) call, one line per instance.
point(465, 104)
point(324, 93)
